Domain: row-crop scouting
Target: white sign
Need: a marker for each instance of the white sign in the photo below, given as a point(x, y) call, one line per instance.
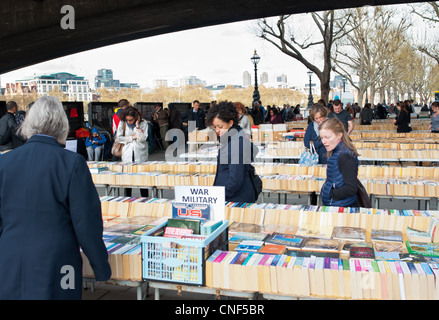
point(214, 196)
point(71, 145)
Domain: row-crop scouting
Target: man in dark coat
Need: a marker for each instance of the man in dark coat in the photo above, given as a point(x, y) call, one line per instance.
point(196, 113)
point(49, 210)
point(7, 123)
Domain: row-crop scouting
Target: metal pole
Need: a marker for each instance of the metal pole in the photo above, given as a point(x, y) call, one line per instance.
point(256, 96)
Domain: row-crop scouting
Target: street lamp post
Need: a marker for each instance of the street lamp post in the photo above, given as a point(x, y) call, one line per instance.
point(310, 97)
point(255, 59)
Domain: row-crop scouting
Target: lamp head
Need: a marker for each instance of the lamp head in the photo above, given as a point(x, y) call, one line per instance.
point(255, 59)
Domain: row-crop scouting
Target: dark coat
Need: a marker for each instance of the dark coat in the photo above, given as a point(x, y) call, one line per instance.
point(7, 123)
point(258, 118)
point(311, 135)
point(199, 117)
point(49, 208)
point(174, 118)
point(233, 165)
point(402, 122)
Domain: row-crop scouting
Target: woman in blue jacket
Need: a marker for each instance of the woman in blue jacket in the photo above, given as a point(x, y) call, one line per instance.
point(95, 145)
point(341, 185)
point(235, 154)
point(317, 115)
point(49, 212)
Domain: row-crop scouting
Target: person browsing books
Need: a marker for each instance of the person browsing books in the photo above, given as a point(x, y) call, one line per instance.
point(342, 115)
point(402, 120)
point(434, 125)
point(341, 183)
point(317, 115)
point(133, 133)
point(235, 154)
point(50, 211)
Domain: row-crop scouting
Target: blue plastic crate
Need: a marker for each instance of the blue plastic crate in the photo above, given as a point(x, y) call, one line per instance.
point(180, 260)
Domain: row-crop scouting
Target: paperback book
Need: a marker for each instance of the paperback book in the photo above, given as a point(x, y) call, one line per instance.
point(426, 249)
point(193, 224)
point(386, 235)
point(290, 241)
point(249, 246)
point(270, 248)
point(316, 244)
point(360, 252)
point(315, 231)
point(349, 233)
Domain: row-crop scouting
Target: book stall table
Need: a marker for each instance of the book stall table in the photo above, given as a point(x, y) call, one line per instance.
point(286, 193)
point(199, 289)
point(115, 189)
point(224, 270)
point(276, 296)
point(376, 199)
point(126, 283)
point(199, 144)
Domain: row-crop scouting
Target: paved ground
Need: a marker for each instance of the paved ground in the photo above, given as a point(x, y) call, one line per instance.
point(117, 292)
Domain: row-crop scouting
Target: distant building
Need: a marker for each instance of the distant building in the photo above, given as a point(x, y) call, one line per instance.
point(264, 77)
point(191, 81)
point(282, 78)
point(76, 87)
point(105, 79)
point(160, 83)
point(246, 79)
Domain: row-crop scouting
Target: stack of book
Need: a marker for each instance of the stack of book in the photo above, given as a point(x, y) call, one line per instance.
point(122, 239)
point(383, 268)
point(378, 180)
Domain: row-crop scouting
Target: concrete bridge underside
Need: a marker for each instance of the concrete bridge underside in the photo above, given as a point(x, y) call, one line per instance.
point(31, 32)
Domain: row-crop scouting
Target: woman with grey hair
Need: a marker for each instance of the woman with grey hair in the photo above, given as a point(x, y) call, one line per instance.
point(49, 212)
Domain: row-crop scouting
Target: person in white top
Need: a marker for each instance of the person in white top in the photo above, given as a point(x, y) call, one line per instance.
point(244, 120)
point(133, 132)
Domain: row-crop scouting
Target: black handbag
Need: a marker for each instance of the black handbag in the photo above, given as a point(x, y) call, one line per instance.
point(256, 181)
point(363, 199)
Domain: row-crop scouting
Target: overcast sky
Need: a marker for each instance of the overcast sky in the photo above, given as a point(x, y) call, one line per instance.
point(218, 55)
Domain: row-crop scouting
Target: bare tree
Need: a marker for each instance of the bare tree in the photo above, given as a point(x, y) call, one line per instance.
point(430, 14)
point(283, 36)
point(366, 56)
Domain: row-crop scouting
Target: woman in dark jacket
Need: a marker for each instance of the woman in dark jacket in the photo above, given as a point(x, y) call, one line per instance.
point(402, 121)
point(235, 154)
point(274, 116)
point(341, 185)
point(49, 211)
point(317, 115)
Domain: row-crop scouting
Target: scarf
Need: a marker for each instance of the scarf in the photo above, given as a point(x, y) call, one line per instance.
point(316, 128)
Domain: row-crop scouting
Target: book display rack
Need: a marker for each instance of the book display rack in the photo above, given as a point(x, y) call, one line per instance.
point(291, 251)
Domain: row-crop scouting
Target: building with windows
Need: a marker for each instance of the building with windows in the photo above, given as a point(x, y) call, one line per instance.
point(282, 78)
point(191, 81)
point(264, 77)
point(77, 88)
point(160, 83)
point(246, 79)
point(105, 79)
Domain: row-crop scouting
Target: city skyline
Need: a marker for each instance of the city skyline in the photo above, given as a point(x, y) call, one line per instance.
point(217, 55)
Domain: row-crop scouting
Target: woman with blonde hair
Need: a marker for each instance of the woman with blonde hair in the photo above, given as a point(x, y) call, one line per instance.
point(341, 185)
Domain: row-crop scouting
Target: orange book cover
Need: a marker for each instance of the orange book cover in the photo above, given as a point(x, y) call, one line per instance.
point(273, 248)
